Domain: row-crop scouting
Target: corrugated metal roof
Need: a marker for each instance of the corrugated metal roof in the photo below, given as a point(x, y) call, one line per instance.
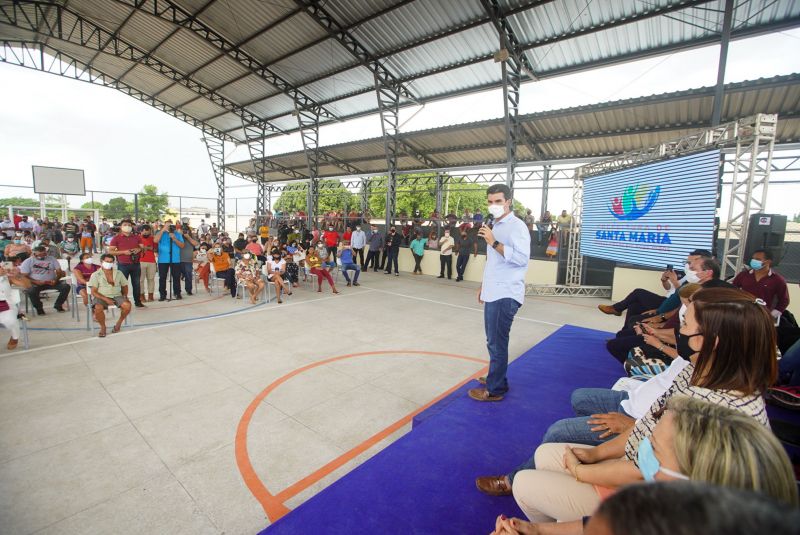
point(435, 47)
point(583, 131)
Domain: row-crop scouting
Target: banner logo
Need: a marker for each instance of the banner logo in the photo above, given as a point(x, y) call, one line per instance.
point(636, 202)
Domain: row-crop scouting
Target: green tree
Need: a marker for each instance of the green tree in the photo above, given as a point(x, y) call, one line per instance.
point(333, 196)
point(118, 208)
point(418, 192)
point(152, 204)
point(93, 205)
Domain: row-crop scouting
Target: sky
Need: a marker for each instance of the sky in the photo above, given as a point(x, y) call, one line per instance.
point(123, 144)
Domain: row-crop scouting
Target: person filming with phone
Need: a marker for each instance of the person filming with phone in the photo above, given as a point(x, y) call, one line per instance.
point(170, 242)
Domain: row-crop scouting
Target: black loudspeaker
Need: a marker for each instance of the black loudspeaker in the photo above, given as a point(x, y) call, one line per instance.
point(766, 231)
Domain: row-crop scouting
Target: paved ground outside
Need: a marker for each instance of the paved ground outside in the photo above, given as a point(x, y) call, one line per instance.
point(137, 432)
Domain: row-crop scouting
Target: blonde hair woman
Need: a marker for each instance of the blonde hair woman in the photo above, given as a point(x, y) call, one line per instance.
point(702, 442)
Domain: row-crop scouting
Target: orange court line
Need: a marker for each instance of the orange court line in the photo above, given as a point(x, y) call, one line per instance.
point(274, 504)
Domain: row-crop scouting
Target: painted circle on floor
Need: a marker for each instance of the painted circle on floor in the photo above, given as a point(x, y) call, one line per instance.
point(273, 504)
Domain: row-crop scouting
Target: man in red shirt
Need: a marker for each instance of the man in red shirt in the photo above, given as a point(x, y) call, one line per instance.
point(148, 264)
point(127, 248)
point(348, 234)
point(331, 239)
point(764, 283)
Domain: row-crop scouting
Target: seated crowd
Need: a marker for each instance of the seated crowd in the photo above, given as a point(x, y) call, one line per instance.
point(112, 264)
point(700, 361)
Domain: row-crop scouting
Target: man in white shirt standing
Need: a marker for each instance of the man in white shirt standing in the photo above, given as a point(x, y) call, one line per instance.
point(446, 244)
point(502, 292)
point(358, 241)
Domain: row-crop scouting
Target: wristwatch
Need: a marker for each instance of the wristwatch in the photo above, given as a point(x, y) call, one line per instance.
point(495, 244)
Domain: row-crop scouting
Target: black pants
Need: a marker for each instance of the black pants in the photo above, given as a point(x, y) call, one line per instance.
point(34, 291)
point(417, 262)
point(331, 252)
point(187, 272)
point(228, 275)
point(446, 260)
point(461, 265)
point(359, 253)
point(174, 270)
point(391, 259)
point(373, 259)
point(625, 340)
point(134, 272)
point(384, 255)
point(637, 302)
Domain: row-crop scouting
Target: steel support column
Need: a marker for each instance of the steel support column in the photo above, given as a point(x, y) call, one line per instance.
point(545, 188)
point(574, 257)
point(513, 62)
point(511, 83)
point(719, 92)
point(439, 193)
point(255, 146)
point(308, 120)
point(216, 153)
point(389, 105)
point(364, 196)
point(261, 199)
point(755, 142)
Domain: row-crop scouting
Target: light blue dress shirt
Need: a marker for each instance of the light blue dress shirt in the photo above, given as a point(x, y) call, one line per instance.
point(504, 275)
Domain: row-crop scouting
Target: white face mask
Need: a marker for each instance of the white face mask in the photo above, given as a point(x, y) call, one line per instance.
point(682, 313)
point(692, 276)
point(87, 261)
point(126, 229)
point(247, 257)
point(217, 250)
point(497, 210)
point(108, 265)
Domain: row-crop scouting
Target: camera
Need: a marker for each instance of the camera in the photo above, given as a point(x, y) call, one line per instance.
point(172, 229)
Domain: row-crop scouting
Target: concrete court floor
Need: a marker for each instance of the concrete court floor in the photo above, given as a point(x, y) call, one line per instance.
point(137, 432)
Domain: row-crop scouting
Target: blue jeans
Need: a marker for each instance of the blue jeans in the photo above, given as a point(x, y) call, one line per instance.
point(497, 318)
point(789, 365)
point(351, 267)
point(585, 402)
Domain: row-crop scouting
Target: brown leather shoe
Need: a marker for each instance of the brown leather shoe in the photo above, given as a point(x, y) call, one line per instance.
point(481, 394)
point(610, 310)
point(12, 343)
point(493, 485)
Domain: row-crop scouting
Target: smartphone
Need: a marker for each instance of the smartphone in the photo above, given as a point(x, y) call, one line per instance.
point(669, 267)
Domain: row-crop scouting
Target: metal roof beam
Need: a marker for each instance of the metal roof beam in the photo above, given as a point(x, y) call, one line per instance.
point(743, 33)
point(85, 33)
point(315, 9)
point(341, 164)
point(417, 154)
point(508, 39)
point(216, 153)
point(169, 11)
point(32, 56)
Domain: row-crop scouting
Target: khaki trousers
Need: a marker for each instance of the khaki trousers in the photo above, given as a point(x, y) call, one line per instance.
point(149, 275)
point(550, 493)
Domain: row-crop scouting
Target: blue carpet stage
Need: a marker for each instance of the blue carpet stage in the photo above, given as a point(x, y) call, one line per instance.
point(425, 481)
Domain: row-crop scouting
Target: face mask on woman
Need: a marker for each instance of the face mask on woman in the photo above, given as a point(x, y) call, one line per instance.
point(87, 261)
point(684, 349)
point(203, 251)
point(246, 257)
point(649, 465)
point(217, 250)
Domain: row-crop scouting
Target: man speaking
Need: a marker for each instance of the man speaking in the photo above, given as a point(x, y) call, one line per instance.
point(508, 249)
